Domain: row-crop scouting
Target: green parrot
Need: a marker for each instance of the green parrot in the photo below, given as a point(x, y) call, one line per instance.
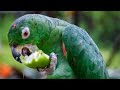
point(78, 57)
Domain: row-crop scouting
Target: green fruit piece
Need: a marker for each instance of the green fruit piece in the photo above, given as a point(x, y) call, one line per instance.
point(37, 59)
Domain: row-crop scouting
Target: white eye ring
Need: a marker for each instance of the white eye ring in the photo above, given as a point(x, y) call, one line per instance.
point(25, 33)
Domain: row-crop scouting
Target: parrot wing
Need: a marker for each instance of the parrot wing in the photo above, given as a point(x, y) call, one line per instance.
point(83, 54)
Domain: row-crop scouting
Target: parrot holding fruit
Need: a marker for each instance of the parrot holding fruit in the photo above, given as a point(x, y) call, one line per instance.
point(72, 54)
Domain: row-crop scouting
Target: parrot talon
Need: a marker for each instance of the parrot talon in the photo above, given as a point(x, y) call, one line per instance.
point(51, 67)
point(56, 54)
point(53, 63)
point(53, 56)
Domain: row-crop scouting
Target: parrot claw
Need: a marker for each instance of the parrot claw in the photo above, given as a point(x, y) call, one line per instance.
point(50, 69)
point(53, 57)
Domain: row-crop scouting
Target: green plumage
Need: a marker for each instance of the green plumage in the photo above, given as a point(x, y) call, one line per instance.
point(83, 58)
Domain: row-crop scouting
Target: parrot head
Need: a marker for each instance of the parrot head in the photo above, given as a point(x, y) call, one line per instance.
point(26, 33)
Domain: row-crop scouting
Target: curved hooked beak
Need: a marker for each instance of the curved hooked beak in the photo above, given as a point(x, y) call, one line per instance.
point(16, 54)
point(25, 50)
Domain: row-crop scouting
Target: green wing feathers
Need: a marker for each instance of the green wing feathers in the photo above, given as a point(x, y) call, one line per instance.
point(83, 55)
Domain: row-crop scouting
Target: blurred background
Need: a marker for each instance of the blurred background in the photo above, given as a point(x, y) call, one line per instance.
point(102, 26)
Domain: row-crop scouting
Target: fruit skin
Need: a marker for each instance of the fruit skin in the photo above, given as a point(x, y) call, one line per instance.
point(39, 60)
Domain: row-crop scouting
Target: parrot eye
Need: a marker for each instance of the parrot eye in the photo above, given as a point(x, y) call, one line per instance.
point(25, 33)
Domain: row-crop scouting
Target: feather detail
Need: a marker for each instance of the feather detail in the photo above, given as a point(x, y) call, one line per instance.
point(63, 49)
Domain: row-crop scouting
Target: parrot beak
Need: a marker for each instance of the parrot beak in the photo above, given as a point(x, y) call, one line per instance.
point(22, 50)
point(16, 54)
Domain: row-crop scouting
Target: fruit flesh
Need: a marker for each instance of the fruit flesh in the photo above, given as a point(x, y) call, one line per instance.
point(38, 59)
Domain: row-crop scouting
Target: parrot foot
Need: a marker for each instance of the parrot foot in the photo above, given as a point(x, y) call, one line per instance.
point(49, 69)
